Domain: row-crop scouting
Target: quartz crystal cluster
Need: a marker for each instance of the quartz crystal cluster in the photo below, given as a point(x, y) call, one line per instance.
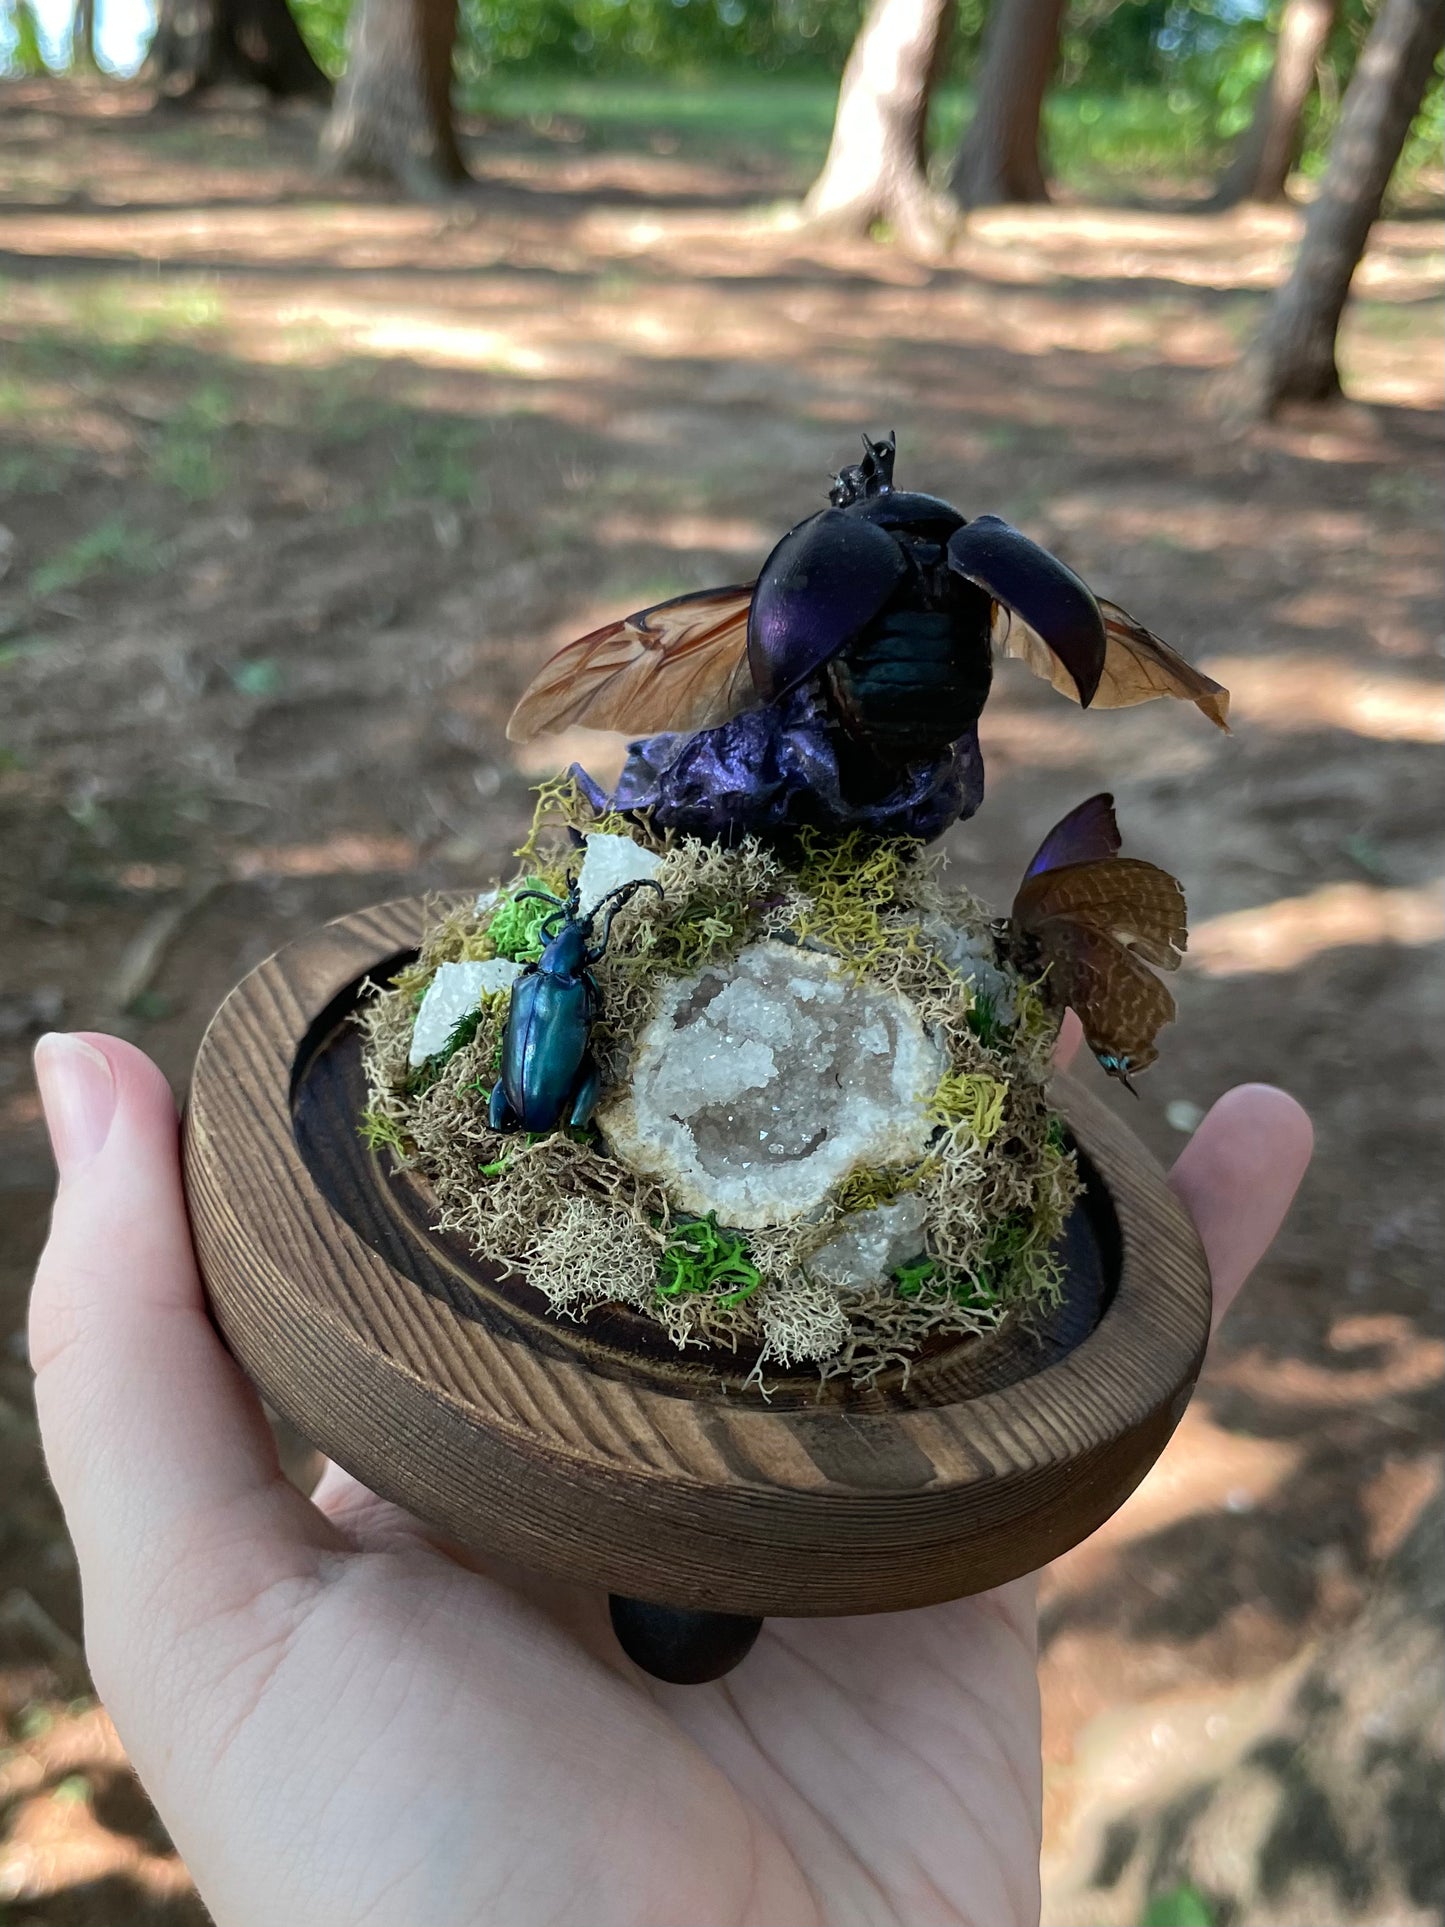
point(757, 1089)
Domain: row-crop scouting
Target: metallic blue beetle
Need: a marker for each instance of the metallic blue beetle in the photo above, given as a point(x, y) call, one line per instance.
point(548, 1076)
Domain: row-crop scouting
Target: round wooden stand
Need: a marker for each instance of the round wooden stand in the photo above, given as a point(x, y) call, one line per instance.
point(594, 1450)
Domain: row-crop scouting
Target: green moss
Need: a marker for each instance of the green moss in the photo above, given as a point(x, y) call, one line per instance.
point(925, 1280)
point(562, 809)
point(377, 1132)
point(516, 928)
point(698, 1257)
point(865, 1188)
point(984, 1021)
point(972, 1099)
point(849, 881)
point(490, 1010)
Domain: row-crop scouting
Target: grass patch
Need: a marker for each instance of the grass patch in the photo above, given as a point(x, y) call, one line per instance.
point(111, 545)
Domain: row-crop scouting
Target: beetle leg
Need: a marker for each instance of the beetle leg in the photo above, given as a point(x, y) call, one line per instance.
point(586, 1092)
point(498, 1109)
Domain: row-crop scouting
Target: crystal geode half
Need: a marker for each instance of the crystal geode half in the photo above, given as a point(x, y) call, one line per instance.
point(756, 1089)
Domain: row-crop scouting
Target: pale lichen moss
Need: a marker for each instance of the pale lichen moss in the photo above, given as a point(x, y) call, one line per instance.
point(586, 1230)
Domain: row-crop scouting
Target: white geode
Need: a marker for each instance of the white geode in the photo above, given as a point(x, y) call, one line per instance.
point(871, 1245)
point(611, 861)
point(760, 1084)
point(456, 989)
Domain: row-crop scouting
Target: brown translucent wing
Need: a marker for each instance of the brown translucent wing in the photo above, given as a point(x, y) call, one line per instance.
point(1138, 906)
point(1138, 666)
point(680, 665)
point(1119, 1001)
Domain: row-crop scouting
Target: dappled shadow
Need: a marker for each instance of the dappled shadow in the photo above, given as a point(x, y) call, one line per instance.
point(294, 514)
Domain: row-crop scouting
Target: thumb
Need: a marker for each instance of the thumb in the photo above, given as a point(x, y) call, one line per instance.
point(157, 1445)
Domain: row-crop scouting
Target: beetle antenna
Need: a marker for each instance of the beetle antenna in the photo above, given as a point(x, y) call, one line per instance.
point(614, 901)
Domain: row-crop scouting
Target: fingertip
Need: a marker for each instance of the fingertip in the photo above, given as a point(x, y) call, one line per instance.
point(1071, 1036)
point(1238, 1177)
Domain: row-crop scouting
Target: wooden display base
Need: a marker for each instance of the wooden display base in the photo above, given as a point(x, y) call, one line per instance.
point(597, 1452)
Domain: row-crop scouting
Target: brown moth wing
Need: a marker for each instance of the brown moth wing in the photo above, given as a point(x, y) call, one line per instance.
point(1119, 1001)
point(1138, 666)
point(681, 665)
point(1135, 904)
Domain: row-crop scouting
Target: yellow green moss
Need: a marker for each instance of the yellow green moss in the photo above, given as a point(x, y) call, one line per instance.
point(971, 1099)
point(845, 884)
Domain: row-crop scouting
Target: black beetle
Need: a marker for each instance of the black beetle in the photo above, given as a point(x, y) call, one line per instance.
point(891, 595)
point(547, 1068)
point(844, 686)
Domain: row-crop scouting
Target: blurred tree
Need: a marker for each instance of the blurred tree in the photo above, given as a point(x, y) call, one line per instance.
point(82, 34)
point(199, 43)
point(1270, 145)
point(393, 112)
point(1001, 154)
point(876, 168)
point(1293, 356)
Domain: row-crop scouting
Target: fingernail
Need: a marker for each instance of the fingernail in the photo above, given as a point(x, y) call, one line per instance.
point(77, 1089)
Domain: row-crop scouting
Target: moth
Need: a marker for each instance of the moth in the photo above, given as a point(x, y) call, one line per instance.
point(1092, 922)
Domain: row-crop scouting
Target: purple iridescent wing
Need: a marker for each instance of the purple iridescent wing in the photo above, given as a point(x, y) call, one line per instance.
point(824, 582)
point(1038, 588)
point(1085, 835)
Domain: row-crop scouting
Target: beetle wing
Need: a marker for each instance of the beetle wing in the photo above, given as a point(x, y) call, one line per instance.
point(1060, 610)
point(1138, 665)
point(680, 665)
point(824, 581)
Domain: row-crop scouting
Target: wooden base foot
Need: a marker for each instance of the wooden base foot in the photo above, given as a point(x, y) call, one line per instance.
point(684, 1648)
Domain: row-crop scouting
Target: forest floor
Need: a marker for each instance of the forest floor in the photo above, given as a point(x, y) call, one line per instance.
point(299, 484)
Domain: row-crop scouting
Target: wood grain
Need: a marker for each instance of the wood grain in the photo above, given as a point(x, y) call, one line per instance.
point(593, 1452)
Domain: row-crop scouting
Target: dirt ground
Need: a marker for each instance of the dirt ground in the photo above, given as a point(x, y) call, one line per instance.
point(298, 485)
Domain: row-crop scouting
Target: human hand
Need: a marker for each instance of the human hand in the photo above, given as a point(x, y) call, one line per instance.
point(344, 1723)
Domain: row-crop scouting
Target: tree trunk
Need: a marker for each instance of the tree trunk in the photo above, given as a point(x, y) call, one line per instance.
point(200, 43)
point(876, 170)
point(1269, 146)
point(1001, 156)
point(1293, 357)
point(82, 35)
point(393, 114)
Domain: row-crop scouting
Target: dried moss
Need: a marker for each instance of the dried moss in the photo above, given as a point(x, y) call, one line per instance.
point(996, 1184)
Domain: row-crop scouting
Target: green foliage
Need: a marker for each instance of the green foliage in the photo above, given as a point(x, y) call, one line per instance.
point(111, 544)
point(20, 47)
point(700, 1258)
point(983, 1020)
point(970, 1100)
point(516, 928)
point(463, 1032)
point(1182, 1906)
point(376, 1131)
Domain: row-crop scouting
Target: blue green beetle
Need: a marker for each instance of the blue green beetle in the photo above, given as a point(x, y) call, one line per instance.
point(548, 1076)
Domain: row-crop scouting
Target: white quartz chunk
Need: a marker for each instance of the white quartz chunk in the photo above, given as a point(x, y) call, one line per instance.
point(456, 989)
point(973, 956)
point(611, 861)
point(871, 1245)
point(760, 1084)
